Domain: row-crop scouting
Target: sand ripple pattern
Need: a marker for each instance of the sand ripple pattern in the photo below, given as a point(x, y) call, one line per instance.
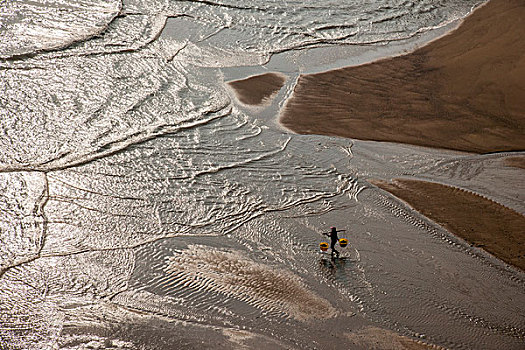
point(448, 294)
point(231, 274)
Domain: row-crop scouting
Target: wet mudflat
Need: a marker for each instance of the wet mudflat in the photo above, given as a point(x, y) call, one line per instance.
point(144, 207)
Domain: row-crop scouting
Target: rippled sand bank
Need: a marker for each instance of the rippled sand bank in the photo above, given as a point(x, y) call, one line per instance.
point(478, 220)
point(462, 91)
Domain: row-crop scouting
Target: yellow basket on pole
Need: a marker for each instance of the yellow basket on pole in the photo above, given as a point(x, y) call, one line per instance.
point(343, 242)
point(323, 246)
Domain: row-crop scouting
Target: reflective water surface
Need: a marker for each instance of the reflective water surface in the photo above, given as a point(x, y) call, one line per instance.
point(143, 207)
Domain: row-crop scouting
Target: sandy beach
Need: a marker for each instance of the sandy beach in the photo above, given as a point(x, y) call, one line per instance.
point(257, 89)
point(463, 91)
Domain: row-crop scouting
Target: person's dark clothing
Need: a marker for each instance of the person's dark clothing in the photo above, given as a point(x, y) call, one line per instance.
point(333, 240)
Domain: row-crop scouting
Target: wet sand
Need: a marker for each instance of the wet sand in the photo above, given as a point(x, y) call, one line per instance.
point(258, 89)
point(377, 338)
point(516, 162)
point(463, 91)
point(478, 220)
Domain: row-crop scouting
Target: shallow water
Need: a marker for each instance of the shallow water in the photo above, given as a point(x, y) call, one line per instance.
point(143, 207)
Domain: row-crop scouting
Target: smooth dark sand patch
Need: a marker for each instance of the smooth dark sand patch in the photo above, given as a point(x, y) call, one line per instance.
point(464, 91)
point(480, 221)
point(257, 89)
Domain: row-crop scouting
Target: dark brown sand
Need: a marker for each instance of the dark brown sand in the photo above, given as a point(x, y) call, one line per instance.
point(480, 221)
point(464, 91)
point(516, 162)
point(257, 89)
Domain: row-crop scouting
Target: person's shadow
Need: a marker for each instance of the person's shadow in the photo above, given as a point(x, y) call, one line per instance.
point(334, 263)
point(335, 268)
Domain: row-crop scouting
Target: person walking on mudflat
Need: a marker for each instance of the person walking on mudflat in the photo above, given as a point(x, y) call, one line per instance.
point(333, 239)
